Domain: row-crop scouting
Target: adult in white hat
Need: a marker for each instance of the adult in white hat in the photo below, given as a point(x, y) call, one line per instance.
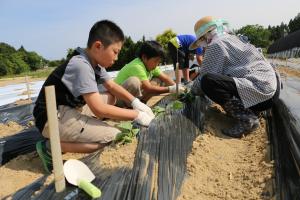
point(234, 74)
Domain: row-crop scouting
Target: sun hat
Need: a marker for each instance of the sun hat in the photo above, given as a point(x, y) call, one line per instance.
point(205, 25)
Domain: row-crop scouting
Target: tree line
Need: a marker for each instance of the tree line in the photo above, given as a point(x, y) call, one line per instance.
point(14, 61)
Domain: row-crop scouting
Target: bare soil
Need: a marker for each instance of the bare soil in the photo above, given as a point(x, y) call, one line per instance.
point(220, 167)
point(10, 128)
point(288, 71)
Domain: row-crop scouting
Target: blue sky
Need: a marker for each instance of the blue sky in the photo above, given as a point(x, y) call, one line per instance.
point(51, 27)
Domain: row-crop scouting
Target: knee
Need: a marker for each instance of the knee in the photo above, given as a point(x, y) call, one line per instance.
point(134, 82)
point(156, 81)
point(133, 85)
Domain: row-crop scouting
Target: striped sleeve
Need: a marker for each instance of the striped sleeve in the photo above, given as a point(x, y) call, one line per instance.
point(213, 62)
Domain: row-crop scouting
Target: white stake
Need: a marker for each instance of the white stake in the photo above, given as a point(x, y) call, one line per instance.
point(28, 87)
point(177, 78)
point(59, 178)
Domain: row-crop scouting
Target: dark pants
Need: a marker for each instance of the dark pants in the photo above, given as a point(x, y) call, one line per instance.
point(221, 89)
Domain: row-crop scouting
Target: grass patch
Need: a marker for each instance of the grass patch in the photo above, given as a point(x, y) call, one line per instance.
point(41, 73)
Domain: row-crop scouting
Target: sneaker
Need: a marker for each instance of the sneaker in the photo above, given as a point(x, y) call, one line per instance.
point(44, 155)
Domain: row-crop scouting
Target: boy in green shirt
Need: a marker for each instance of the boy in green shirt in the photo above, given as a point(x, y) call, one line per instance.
point(136, 75)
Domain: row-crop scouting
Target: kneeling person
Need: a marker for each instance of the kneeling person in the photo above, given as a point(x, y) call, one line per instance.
point(136, 76)
point(76, 88)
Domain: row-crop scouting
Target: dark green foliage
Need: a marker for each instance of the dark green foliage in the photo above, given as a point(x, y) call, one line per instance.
point(176, 105)
point(34, 60)
point(294, 24)
point(278, 32)
point(6, 49)
point(17, 61)
point(172, 105)
point(163, 39)
point(186, 97)
point(19, 65)
point(128, 132)
point(127, 54)
point(258, 35)
point(158, 111)
point(70, 52)
point(5, 65)
point(56, 63)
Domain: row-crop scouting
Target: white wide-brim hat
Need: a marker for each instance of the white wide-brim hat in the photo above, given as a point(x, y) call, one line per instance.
point(204, 25)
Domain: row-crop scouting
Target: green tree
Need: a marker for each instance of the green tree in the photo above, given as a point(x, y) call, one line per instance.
point(34, 60)
point(127, 53)
point(277, 32)
point(294, 24)
point(14, 61)
point(70, 52)
point(6, 65)
point(163, 39)
point(19, 65)
point(6, 49)
point(22, 49)
point(257, 34)
point(56, 63)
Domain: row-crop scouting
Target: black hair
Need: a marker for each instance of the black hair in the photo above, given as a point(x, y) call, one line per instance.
point(151, 49)
point(105, 31)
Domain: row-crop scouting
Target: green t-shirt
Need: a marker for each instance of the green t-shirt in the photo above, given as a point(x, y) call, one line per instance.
point(138, 69)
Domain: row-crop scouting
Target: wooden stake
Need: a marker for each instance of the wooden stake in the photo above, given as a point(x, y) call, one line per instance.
point(59, 178)
point(177, 78)
point(28, 87)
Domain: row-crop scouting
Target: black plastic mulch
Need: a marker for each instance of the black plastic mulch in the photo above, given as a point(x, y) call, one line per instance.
point(284, 130)
point(159, 164)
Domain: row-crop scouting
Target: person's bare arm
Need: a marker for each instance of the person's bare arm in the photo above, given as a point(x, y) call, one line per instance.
point(149, 88)
point(166, 79)
point(118, 91)
point(199, 59)
point(101, 109)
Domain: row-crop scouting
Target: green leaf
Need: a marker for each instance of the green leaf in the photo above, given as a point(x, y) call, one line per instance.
point(177, 105)
point(120, 136)
point(135, 131)
point(158, 110)
point(186, 97)
point(125, 125)
point(127, 139)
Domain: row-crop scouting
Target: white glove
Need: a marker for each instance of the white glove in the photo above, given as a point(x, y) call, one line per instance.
point(172, 88)
point(138, 105)
point(143, 118)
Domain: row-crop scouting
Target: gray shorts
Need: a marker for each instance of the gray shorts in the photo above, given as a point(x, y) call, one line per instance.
point(80, 125)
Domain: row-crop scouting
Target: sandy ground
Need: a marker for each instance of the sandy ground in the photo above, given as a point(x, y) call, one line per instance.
point(220, 167)
point(287, 71)
point(9, 128)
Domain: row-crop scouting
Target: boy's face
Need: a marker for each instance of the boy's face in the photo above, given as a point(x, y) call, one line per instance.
point(106, 56)
point(151, 63)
